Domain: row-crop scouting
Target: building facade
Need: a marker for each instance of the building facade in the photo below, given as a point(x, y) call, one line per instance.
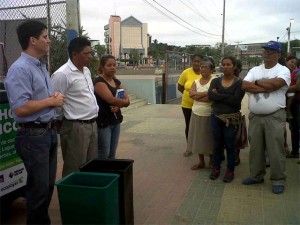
point(122, 37)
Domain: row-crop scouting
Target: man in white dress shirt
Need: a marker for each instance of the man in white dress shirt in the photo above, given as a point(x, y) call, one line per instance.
point(78, 132)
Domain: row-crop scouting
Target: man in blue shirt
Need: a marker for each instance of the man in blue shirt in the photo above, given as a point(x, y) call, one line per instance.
point(33, 103)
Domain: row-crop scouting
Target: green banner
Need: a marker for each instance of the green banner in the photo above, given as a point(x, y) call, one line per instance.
point(8, 155)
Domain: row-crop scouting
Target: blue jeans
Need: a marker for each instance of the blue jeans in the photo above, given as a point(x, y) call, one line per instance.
point(108, 138)
point(223, 136)
point(37, 147)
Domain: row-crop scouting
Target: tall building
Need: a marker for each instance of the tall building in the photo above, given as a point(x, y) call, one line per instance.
point(121, 37)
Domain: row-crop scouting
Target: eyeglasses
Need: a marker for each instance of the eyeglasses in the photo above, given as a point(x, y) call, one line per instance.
point(269, 51)
point(204, 67)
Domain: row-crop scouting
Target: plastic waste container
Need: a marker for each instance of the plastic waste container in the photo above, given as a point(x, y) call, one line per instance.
point(123, 167)
point(89, 198)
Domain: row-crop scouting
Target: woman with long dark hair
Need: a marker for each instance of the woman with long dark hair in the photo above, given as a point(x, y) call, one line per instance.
point(227, 94)
point(109, 116)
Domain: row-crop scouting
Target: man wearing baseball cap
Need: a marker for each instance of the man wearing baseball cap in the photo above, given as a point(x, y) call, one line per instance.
point(266, 86)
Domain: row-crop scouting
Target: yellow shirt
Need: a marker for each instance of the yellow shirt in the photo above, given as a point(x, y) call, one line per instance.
point(186, 79)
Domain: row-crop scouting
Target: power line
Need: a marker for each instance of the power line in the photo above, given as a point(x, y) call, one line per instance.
point(184, 20)
point(198, 13)
point(160, 11)
point(207, 9)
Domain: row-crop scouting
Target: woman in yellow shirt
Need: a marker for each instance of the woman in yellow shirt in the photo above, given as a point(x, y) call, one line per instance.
point(185, 82)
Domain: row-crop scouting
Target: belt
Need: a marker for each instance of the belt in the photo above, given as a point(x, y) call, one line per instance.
point(83, 121)
point(48, 125)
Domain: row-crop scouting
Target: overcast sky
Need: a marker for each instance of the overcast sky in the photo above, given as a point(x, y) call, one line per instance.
point(188, 22)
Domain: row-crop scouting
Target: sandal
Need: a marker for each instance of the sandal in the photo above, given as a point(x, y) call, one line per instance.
point(197, 166)
point(187, 153)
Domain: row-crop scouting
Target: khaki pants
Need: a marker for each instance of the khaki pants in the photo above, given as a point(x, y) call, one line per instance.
point(266, 132)
point(78, 143)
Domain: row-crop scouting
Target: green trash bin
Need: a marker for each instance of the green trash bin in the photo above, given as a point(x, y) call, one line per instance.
point(89, 198)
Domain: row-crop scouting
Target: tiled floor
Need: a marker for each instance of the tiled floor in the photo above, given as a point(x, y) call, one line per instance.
point(167, 191)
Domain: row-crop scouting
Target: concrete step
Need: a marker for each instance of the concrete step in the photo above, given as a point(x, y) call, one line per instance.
point(134, 103)
point(131, 96)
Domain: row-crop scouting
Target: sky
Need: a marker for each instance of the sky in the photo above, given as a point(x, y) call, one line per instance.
point(193, 22)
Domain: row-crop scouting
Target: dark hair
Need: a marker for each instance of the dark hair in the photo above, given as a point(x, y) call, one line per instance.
point(210, 61)
point(238, 68)
point(28, 29)
point(233, 60)
point(103, 61)
point(290, 58)
point(77, 45)
point(197, 55)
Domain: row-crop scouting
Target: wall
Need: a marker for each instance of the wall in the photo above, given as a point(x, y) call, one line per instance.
point(143, 86)
point(149, 87)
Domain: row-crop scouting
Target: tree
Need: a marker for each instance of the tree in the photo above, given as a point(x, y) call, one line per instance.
point(134, 56)
point(59, 50)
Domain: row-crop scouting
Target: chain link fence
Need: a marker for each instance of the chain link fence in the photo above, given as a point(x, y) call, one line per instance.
point(51, 12)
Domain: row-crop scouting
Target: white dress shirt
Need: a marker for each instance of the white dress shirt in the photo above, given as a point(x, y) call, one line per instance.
point(78, 89)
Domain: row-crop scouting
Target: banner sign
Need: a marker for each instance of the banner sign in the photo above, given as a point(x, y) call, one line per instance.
point(12, 171)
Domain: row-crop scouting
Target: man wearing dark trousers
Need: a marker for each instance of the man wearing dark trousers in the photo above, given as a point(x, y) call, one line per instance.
point(33, 103)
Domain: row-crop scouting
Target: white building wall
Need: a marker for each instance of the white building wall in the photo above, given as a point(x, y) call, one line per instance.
point(116, 39)
point(145, 38)
point(131, 37)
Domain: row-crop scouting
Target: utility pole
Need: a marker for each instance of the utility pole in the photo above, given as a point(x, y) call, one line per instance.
point(223, 31)
point(289, 35)
point(73, 19)
point(49, 33)
point(237, 49)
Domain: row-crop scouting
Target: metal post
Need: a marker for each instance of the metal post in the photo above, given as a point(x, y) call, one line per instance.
point(73, 19)
point(237, 49)
point(165, 80)
point(289, 35)
point(49, 35)
point(223, 31)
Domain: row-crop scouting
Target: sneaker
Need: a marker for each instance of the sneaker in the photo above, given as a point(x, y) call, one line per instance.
point(229, 175)
point(277, 189)
point(215, 173)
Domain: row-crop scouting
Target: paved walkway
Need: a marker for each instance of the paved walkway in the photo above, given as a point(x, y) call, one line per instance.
point(167, 191)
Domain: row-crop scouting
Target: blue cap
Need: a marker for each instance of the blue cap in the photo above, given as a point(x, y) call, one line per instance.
point(274, 45)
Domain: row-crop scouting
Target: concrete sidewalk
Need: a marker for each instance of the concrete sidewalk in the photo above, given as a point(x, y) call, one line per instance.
point(167, 191)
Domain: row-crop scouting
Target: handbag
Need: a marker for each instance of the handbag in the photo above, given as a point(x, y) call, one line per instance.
point(241, 139)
